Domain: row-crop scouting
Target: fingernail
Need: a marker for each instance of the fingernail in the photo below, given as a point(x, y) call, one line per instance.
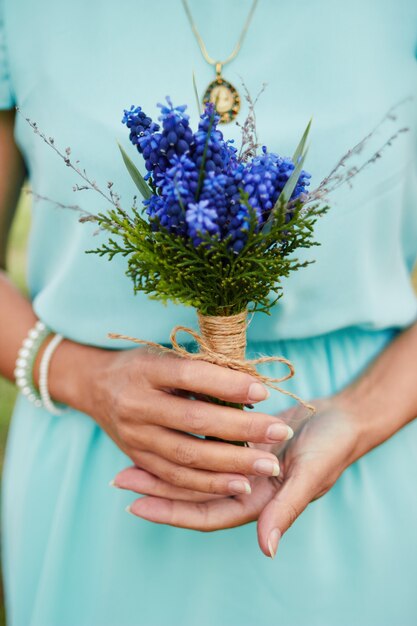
point(267, 467)
point(112, 484)
point(128, 509)
point(279, 432)
point(273, 539)
point(239, 486)
point(257, 392)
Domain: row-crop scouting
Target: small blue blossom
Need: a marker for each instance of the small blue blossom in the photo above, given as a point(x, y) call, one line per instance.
point(201, 220)
point(264, 178)
point(159, 146)
point(177, 184)
point(139, 124)
point(238, 227)
point(174, 140)
point(214, 191)
point(209, 140)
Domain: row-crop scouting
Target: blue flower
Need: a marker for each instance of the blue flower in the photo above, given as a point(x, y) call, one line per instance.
point(178, 185)
point(237, 226)
point(264, 178)
point(139, 124)
point(201, 220)
point(159, 146)
point(214, 191)
point(209, 143)
point(174, 140)
point(229, 156)
point(191, 205)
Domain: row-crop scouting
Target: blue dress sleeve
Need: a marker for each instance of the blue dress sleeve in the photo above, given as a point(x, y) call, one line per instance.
point(6, 93)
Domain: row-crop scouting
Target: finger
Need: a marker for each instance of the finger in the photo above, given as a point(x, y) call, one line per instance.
point(204, 418)
point(189, 451)
point(282, 511)
point(141, 481)
point(207, 379)
point(204, 516)
point(194, 479)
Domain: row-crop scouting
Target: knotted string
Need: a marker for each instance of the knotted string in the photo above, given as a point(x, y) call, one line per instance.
point(223, 342)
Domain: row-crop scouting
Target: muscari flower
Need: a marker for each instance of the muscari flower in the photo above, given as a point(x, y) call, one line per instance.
point(174, 140)
point(139, 125)
point(264, 178)
point(159, 145)
point(177, 186)
point(209, 143)
point(173, 155)
point(214, 191)
point(201, 220)
point(238, 228)
point(232, 217)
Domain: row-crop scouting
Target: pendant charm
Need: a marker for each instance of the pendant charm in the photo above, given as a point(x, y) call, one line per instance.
point(224, 96)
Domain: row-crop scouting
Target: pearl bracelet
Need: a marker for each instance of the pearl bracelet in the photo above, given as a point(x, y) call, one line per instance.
point(43, 375)
point(25, 360)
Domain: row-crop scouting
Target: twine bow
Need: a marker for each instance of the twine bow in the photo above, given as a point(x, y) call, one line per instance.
point(223, 342)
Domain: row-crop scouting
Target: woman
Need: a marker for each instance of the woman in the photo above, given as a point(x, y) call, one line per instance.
point(72, 556)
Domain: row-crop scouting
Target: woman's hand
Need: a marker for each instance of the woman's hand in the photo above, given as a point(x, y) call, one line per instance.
point(311, 462)
point(130, 394)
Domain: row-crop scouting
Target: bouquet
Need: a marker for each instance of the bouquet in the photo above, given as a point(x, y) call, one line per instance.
point(218, 226)
point(217, 229)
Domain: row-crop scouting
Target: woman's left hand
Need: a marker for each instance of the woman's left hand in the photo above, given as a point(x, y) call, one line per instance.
point(323, 446)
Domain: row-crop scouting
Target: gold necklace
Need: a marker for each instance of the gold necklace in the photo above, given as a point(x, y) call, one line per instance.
point(221, 92)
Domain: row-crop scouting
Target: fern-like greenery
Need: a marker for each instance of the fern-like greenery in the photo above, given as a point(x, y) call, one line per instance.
point(211, 278)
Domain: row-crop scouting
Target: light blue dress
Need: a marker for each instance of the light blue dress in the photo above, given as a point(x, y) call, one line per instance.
point(71, 555)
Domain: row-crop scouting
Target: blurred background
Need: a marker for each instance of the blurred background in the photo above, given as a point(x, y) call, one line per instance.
point(17, 270)
point(16, 265)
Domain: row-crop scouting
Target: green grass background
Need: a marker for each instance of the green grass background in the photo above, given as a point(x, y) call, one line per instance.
point(17, 270)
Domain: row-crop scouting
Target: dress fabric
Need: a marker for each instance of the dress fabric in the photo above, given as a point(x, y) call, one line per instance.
point(71, 555)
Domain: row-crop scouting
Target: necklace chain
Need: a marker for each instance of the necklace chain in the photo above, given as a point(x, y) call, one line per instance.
point(202, 45)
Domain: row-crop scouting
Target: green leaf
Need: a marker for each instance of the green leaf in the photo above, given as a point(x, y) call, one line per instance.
point(301, 145)
point(196, 94)
point(201, 174)
point(298, 160)
point(137, 177)
point(289, 187)
point(279, 206)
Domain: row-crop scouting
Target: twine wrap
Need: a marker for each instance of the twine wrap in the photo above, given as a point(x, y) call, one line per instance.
point(225, 336)
point(223, 342)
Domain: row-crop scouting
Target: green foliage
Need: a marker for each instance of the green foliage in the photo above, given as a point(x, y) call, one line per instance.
point(299, 151)
point(136, 176)
point(211, 278)
point(285, 195)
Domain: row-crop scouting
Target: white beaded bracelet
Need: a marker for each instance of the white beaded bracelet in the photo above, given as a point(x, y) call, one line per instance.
point(25, 359)
point(43, 375)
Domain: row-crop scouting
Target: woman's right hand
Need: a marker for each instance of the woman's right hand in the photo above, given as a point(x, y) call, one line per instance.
point(133, 396)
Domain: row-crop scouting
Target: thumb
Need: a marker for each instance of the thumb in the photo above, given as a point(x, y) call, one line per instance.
point(282, 511)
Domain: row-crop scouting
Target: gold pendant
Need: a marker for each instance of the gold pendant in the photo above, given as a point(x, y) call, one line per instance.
point(224, 96)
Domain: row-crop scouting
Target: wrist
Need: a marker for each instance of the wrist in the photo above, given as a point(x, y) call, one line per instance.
point(366, 417)
point(73, 372)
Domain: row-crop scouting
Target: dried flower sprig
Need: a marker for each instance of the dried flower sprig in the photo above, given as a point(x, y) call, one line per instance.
point(342, 174)
point(249, 137)
point(65, 155)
